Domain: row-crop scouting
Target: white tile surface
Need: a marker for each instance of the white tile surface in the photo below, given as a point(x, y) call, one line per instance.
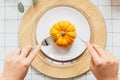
point(116, 52)
point(115, 2)
point(38, 77)
point(34, 71)
point(28, 77)
point(2, 53)
point(110, 49)
point(116, 12)
point(116, 25)
point(109, 39)
point(66, 79)
point(105, 2)
point(2, 2)
point(90, 77)
point(27, 2)
point(29, 70)
point(11, 26)
point(11, 12)
point(11, 2)
point(49, 78)
point(11, 40)
point(96, 2)
point(2, 39)
point(9, 49)
point(106, 11)
point(83, 77)
point(2, 13)
point(2, 26)
point(89, 72)
point(116, 39)
point(1, 66)
point(108, 25)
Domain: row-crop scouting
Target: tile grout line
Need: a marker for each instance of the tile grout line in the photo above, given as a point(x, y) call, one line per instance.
point(21, 19)
point(112, 23)
point(94, 4)
point(4, 29)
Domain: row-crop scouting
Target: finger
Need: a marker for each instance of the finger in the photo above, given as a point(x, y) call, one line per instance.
point(109, 55)
point(9, 55)
point(17, 52)
point(94, 55)
point(99, 50)
point(25, 52)
point(33, 54)
point(91, 64)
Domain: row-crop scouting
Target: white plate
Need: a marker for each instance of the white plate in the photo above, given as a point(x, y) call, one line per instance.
point(63, 14)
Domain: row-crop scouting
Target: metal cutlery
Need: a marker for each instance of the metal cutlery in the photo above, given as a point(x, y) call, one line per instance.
point(49, 40)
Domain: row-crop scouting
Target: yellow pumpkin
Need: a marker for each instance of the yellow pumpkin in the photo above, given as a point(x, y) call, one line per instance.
point(64, 32)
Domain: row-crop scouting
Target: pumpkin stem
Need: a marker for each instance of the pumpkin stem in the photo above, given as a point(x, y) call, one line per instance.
point(63, 33)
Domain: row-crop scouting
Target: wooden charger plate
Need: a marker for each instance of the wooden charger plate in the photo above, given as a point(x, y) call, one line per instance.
point(28, 36)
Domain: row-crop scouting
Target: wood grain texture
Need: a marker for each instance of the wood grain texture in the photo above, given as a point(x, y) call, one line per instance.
point(28, 35)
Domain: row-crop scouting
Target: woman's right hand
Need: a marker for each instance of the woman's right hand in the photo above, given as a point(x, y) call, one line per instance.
point(103, 65)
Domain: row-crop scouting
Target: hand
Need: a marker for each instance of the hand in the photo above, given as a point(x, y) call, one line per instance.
point(103, 65)
point(18, 62)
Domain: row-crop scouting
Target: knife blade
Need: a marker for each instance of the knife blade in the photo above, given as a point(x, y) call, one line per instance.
point(81, 39)
point(47, 41)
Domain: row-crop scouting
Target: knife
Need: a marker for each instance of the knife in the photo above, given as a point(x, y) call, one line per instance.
point(48, 41)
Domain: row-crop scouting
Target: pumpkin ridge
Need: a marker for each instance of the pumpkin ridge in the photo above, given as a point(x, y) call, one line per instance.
point(54, 31)
point(73, 32)
point(70, 28)
point(56, 26)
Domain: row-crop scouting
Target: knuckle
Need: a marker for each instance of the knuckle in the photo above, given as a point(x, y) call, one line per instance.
point(99, 64)
point(18, 61)
point(25, 64)
point(90, 66)
point(116, 62)
point(108, 62)
point(8, 60)
point(17, 49)
point(112, 62)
